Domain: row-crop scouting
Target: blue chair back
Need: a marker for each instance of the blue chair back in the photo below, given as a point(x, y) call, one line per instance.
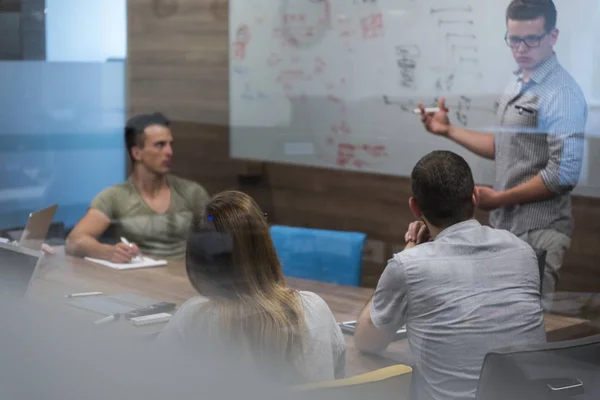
point(321, 255)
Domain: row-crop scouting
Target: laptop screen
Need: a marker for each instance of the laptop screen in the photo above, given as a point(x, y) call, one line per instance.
point(16, 270)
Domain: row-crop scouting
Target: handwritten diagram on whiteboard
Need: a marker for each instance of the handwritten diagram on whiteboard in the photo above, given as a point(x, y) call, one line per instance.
point(334, 83)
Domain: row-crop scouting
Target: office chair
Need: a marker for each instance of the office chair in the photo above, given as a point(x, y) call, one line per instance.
point(552, 371)
point(391, 383)
point(318, 254)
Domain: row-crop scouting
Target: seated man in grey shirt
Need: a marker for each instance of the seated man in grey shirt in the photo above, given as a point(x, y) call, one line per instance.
point(461, 288)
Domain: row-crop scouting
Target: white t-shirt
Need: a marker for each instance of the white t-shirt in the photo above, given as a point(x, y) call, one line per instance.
point(324, 350)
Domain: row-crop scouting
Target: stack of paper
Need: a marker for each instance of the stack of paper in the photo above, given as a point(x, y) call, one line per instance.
point(139, 262)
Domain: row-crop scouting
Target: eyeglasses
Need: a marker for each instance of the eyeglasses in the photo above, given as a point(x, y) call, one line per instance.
point(530, 41)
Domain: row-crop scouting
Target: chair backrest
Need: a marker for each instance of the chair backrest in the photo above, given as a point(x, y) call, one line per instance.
point(323, 255)
point(559, 370)
point(391, 383)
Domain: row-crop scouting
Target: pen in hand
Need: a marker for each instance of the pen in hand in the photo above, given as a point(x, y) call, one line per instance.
point(128, 243)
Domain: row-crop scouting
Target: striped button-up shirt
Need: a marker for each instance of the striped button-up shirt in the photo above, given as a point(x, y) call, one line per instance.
point(543, 122)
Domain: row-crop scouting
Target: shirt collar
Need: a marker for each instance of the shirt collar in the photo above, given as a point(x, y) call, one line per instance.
point(130, 179)
point(542, 70)
point(461, 226)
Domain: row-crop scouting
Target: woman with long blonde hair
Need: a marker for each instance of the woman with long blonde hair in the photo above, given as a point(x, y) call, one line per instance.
point(246, 305)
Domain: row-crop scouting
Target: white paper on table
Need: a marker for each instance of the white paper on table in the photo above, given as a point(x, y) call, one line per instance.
point(142, 262)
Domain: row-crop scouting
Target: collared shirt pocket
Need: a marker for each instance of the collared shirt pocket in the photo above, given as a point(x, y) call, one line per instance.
point(525, 118)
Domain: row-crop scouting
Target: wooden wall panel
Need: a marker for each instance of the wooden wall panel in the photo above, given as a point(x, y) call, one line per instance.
point(179, 65)
point(7, 6)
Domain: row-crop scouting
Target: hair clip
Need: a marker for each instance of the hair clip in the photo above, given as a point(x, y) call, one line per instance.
point(210, 217)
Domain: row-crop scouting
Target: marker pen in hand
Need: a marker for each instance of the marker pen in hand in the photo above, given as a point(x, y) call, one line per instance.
point(427, 110)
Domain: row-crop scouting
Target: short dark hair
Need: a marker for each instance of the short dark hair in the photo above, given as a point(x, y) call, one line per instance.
point(135, 127)
point(524, 10)
point(442, 185)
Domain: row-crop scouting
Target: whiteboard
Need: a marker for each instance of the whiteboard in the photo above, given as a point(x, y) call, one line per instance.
point(332, 83)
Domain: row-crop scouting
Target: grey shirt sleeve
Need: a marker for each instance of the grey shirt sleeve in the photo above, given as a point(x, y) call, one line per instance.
point(390, 300)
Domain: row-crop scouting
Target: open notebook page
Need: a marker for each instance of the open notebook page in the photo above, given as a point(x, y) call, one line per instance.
point(140, 262)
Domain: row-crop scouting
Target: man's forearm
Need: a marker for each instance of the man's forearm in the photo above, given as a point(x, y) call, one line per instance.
point(361, 333)
point(367, 337)
point(481, 144)
point(364, 313)
point(529, 192)
point(87, 246)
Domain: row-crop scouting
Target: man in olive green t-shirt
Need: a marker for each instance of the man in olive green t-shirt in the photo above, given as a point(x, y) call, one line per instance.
point(152, 209)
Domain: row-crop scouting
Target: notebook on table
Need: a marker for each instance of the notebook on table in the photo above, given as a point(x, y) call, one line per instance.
point(139, 262)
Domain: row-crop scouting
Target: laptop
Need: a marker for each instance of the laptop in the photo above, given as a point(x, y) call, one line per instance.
point(36, 229)
point(18, 266)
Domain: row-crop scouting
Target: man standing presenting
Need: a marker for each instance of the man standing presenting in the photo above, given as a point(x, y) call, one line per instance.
point(539, 151)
